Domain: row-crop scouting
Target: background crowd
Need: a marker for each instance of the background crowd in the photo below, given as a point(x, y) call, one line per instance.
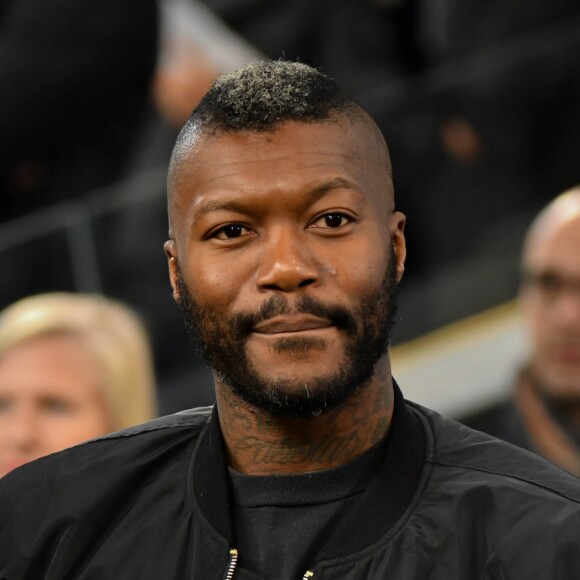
point(479, 101)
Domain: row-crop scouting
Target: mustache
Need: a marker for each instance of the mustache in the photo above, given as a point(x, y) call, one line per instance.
point(244, 322)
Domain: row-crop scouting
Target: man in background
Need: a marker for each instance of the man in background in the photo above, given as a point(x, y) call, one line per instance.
point(543, 414)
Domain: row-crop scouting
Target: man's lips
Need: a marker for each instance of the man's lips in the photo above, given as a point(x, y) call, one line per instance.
point(568, 355)
point(291, 323)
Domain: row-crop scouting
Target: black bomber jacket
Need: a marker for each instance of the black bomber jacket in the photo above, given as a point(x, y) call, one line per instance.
point(151, 503)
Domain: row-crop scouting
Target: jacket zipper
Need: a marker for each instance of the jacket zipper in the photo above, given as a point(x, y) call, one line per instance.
point(234, 561)
point(232, 564)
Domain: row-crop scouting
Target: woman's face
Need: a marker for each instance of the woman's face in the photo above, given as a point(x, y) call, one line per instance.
point(50, 399)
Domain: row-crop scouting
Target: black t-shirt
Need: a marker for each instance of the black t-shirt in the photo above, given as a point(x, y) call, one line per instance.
point(282, 522)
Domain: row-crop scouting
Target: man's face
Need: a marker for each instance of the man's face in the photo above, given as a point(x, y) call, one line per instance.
point(285, 260)
point(551, 306)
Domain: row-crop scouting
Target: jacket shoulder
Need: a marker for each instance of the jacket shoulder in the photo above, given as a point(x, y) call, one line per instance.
point(489, 502)
point(189, 419)
point(466, 450)
point(72, 497)
point(101, 461)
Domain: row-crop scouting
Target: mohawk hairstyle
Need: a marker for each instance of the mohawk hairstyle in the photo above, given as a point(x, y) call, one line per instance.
point(262, 95)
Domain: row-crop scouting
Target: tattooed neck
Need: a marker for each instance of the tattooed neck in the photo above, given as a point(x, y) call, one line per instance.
point(260, 444)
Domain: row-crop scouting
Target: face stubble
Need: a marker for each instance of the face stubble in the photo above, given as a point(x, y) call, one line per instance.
point(367, 328)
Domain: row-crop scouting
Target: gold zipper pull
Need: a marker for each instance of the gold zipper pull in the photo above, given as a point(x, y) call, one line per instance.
point(232, 564)
point(308, 574)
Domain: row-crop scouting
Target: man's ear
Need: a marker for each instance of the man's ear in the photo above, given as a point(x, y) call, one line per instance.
point(398, 221)
point(172, 263)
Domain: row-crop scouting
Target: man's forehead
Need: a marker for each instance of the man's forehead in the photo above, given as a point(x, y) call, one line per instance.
point(352, 144)
point(294, 157)
point(362, 130)
point(555, 241)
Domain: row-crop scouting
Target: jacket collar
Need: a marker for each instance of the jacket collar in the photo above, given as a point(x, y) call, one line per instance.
point(388, 495)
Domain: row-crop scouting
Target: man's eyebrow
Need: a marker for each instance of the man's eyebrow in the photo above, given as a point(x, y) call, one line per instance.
point(242, 207)
point(336, 183)
point(212, 206)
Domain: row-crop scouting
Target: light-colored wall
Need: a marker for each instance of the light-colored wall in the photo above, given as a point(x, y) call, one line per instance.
point(465, 366)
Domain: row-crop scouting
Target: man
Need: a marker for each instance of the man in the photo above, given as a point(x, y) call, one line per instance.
point(285, 252)
point(544, 413)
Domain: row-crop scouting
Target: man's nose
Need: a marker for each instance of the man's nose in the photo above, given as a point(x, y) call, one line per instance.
point(287, 263)
point(568, 309)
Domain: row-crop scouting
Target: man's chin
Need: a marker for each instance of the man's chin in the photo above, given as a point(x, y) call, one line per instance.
point(563, 389)
point(296, 394)
point(271, 350)
point(559, 384)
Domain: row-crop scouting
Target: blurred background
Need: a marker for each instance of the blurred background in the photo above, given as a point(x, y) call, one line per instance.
point(479, 101)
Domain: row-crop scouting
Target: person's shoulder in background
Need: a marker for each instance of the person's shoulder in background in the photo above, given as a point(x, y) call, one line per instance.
point(502, 420)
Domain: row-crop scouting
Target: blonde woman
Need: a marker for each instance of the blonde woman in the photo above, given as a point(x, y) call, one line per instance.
point(72, 367)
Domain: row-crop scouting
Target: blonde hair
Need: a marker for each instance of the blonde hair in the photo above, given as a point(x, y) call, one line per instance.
point(113, 336)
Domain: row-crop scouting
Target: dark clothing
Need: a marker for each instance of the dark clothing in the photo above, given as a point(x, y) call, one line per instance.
point(74, 89)
point(546, 427)
point(75, 81)
point(152, 502)
point(504, 421)
point(296, 513)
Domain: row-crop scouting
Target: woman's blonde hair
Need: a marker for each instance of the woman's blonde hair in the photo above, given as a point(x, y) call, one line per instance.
point(113, 336)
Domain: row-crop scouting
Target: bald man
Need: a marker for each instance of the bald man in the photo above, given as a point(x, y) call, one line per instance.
point(544, 413)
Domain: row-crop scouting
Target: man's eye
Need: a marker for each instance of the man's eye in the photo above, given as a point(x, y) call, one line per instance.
point(331, 220)
point(231, 232)
point(4, 404)
point(57, 406)
point(550, 283)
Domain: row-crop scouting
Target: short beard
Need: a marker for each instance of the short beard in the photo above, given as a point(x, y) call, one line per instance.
point(222, 343)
